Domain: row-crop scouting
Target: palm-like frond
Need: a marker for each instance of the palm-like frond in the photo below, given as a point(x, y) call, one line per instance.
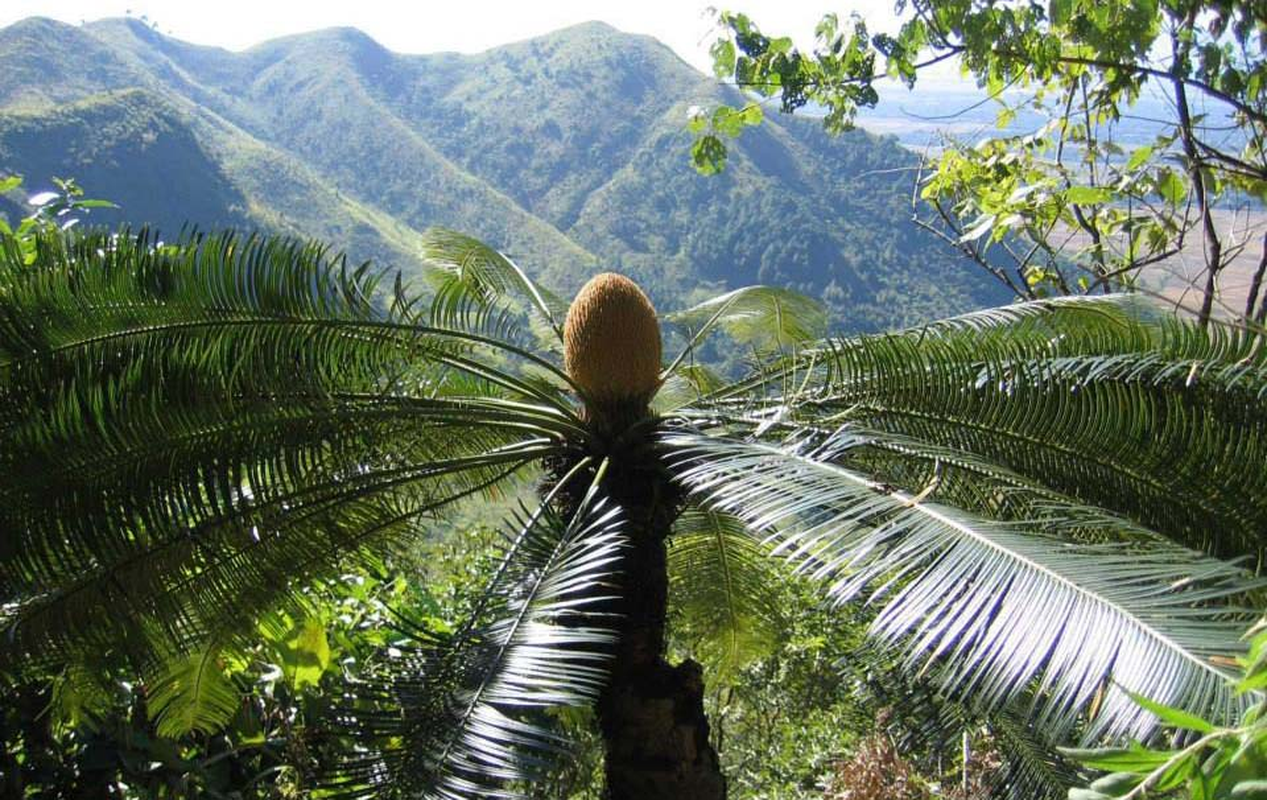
point(475, 286)
point(192, 693)
point(975, 484)
point(766, 318)
point(1033, 767)
point(1100, 399)
point(986, 607)
point(189, 432)
point(722, 591)
point(459, 716)
point(684, 386)
point(758, 315)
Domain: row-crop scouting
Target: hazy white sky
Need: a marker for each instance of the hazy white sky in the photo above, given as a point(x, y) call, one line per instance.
point(424, 26)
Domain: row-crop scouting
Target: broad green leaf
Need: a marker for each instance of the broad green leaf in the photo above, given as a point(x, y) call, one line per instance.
point(980, 227)
point(1117, 783)
point(723, 53)
point(1086, 195)
point(1255, 789)
point(1252, 683)
point(751, 114)
point(1175, 717)
point(1200, 787)
point(1138, 157)
point(731, 121)
point(1171, 187)
point(727, 121)
point(306, 653)
point(1118, 759)
point(1176, 774)
point(708, 155)
point(9, 183)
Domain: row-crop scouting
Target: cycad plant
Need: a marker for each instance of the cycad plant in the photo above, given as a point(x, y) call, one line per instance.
point(1047, 506)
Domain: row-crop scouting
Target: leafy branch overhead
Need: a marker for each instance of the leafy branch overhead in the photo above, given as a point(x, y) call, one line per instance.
point(1059, 207)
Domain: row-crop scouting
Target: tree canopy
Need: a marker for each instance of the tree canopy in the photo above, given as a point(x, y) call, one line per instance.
point(1060, 208)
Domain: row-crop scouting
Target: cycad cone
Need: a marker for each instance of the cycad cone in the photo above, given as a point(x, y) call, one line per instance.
point(611, 343)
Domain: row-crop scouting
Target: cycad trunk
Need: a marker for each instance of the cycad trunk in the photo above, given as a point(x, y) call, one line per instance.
point(652, 713)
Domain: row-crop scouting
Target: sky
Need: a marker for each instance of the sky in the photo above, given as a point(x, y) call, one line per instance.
point(468, 26)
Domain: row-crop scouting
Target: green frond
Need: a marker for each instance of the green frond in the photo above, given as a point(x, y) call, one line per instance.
point(131, 463)
point(458, 716)
point(970, 483)
point(190, 432)
point(82, 697)
point(723, 598)
point(1034, 769)
point(765, 317)
point(476, 285)
point(191, 693)
point(685, 385)
point(240, 315)
point(172, 583)
point(988, 608)
point(1098, 399)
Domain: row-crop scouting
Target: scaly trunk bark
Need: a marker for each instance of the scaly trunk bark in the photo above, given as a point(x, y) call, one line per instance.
point(652, 713)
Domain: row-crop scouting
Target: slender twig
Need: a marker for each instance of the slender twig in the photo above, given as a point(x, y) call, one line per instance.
point(967, 249)
point(1255, 285)
point(1213, 245)
point(814, 84)
point(1172, 75)
point(956, 114)
point(1145, 786)
point(1231, 164)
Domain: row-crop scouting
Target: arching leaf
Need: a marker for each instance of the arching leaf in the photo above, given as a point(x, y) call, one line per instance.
point(189, 432)
point(191, 693)
point(723, 595)
point(456, 716)
point(766, 317)
point(471, 279)
point(990, 608)
point(1100, 399)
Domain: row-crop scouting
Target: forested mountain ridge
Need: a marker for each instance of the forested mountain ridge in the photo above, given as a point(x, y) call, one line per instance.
point(567, 150)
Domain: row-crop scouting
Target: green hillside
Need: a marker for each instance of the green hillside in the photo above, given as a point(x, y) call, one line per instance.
point(133, 146)
point(567, 150)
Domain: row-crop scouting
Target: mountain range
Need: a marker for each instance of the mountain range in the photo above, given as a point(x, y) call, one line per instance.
point(567, 151)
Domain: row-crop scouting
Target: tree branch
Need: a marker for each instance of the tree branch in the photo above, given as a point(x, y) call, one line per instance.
point(967, 249)
point(1256, 283)
point(1213, 245)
